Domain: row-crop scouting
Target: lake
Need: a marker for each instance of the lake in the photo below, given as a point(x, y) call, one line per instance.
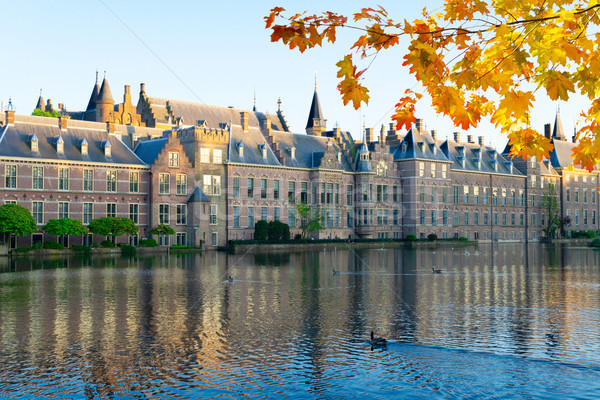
point(506, 321)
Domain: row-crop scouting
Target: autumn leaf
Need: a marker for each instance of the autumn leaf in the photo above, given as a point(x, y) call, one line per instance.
point(353, 91)
point(558, 85)
point(527, 142)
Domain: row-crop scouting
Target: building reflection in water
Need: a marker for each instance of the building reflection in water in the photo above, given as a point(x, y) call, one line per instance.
point(138, 324)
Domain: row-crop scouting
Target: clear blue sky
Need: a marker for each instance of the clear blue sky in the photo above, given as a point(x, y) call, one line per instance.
point(215, 52)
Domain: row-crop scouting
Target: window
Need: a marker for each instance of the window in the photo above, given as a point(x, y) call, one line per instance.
point(111, 209)
point(263, 188)
point(395, 193)
point(379, 193)
point(533, 181)
point(315, 195)
point(212, 185)
point(433, 217)
point(251, 188)
point(396, 217)
point(250, 216)
point(475, 218)
point(503, 196)
point(236, 187)
point(236, 216)
point(504, 218)
point(276, 189)
point(329, 193)
point(521, 198)
point(456, 218)
point(513, 217)
point(495, 196)
point(164, 182)
point(466, 218)
point(173, 159)
point(585, 217)
point(421, 169)
point(213, 214)
point(433, 194)
point(486, 195)
point(217, 156)
point(576, 217)
point(181, 184)
point(276, 214)
point(350, 218)
point(163, 214)
point(163, 240)
point(214, 239)
point(568, 194)
point(63, 179)
point(304, 192)
point(263, 213)
point(466, 194)
point(204, 155)
point(88, 180)
point(593, 217)
point(134, 212)
point(422, 194)
point(330, 218)
point(111, 181)
point(433, 165)
point(444, 217)
point(291, 192)
point(495, 218)
point(181, 238)
point(37, 211)
point(444, 195)
point(576, 195)
point(455, 200)
point(422, 217)
point(533, 200)
point(533, 219)
point(350, 194)
point(485, 218)
point(134, 182)
point(37, 175)
point(379, 217)
point(444, 171)
point(521, 219)
point(292, 217)
point(181, 214)
point(88, 213)
point(63, 209)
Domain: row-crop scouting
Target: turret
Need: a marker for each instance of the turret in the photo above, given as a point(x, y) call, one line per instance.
point(316, 122)
point(94, 96)
point(557, 132)
point(40, 102)
point(105, 104)
point(363, 164)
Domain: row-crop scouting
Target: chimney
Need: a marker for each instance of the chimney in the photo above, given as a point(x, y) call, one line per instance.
point(457, 137)
point(419, 124)
point(244, 116)
point(337, 132)
point(481, 140)
point(127, 95)
point(369, 135)
point(110, 126)
point(10, 117)
point(49, 107)
point(548, 131)
point(62, 122)
point(470, 139)
point(268, 125)
point(434, 135)
point(392, 128)
point(61, 106)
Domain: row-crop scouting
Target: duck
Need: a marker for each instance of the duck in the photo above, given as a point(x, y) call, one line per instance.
point(229, 279)
point(436, 271)
point(335, 272)
point(377, 341)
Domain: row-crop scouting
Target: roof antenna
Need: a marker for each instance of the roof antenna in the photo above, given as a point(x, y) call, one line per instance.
point(96, 75)
point(254, 107)
point(315, 80)
point(10, 106)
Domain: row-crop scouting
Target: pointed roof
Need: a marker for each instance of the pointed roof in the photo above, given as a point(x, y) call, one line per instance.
point(104, 93)
point(94, 96)
point(315, 111)
point(40, 102)
point(558, 132)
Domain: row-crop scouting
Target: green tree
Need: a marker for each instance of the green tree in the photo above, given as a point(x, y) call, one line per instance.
point(278, 230)
point(16, 220)
point(64, 226)
point(550, 207)
point(111, 226)
point(309, 222)
point(161, 229)
point(261, 229)
point(40, 113)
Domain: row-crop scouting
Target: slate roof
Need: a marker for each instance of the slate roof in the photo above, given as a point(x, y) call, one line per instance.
point(562, 154)
point(363, 166)
point(93, 97)
point(309, 150)
point(212, 115)
point(148, 150)
point(253, 142)
point(15, 142)
point(104, 93)
point(418, 145)
point(315, 111)
point(464, 155)
point(198, 196)
point(557, 131)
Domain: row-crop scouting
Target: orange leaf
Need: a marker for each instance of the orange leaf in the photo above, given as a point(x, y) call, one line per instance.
point(353, 91)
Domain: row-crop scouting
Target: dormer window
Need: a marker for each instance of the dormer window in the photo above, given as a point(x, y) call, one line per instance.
point(404, 147)
point(420, 144)
point(293, 152)
point(477, 162)
point(34, 143)
point(494, 165)
point(241, 149)
point(202, 123)
point(339, 156)
point(107, 148)
point(223, 125)
point(84, 147)
point(60, 145)
point(263, 150)
point(461, 161)
point(461, 150)
point(509, 166)
point(432, 148)
point(492, 154)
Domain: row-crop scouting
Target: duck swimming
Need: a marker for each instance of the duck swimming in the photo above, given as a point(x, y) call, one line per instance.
point(436, 271)
point(377, 341)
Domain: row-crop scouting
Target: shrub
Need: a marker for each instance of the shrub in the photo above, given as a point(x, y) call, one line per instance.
point(297, 236)
point(261, 229)
point(462, 239)
point(127, 249)
point(595, 243)
point(148, 243)
point(107, 244)
point(286, 232)
point(95, 245)
point(411, 237)
point(277, 230)
point(432, 237)
point(51, 244)
point(180, 247)
point(81, 248)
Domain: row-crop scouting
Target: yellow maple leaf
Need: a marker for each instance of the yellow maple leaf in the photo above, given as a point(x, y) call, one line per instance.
point(516, 103)
point(528, 142)
point(558, 85)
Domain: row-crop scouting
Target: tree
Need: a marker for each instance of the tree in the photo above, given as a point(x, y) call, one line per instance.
point(550, 207)
point(475, 59)
point(41, 113)
point(64, 226)
point(112, 226)
point(16, 220)
point(261, 229)
point(161, 229)
point(309, 222)
point(562, 223)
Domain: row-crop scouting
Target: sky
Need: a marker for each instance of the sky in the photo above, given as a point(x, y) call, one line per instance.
point(215, 53)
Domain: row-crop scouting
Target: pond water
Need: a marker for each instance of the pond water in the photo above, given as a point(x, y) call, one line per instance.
point(498, 322)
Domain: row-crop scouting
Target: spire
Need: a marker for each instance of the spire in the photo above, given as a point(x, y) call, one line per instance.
point(40, 102)
point(94, 96)
point(104, 93)
point(362, 158)
point(557, 132)
point(254, 107)
point(316, 122)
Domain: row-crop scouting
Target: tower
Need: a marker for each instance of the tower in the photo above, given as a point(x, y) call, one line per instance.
point(94, 96)
point(557, 132)
point(105, 104)
point(316, 122)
